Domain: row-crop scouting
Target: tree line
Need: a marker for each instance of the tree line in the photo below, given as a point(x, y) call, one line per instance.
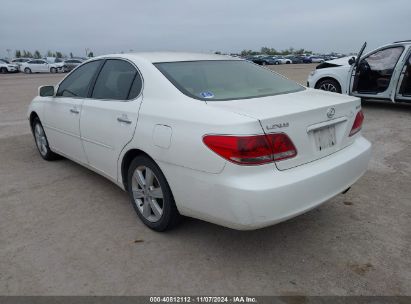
point(272, 51)
point(37, 55)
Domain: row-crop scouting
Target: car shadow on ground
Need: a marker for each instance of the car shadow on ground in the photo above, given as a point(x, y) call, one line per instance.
point(386, 105)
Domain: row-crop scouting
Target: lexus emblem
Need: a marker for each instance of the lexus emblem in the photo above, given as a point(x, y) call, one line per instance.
point(330, 113)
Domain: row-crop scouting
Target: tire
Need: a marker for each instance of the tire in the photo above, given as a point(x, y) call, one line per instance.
point(53, 70)
point(329, 85)
point(3, 70)
point(287, 62)
point(41, 141)
point(151, 198)
point(27, 70)
point(276, 63)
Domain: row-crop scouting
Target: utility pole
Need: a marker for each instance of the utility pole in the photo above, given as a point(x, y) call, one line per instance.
point(87, 50)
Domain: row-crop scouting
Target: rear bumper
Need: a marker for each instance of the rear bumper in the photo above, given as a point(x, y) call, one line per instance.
point(248, 198)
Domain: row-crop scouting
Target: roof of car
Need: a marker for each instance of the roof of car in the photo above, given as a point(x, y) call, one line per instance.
point(156, 57)
point(403, 41)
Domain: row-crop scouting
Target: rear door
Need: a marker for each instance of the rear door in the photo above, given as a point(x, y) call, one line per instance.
point(34, 65)
point(376, 74)
point(109, 117)
point(403, 91)
point(62, 113)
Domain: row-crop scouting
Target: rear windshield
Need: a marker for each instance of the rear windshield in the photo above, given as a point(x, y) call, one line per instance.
point(225, 79)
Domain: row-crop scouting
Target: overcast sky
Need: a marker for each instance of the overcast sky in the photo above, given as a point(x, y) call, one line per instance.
point(107, 26)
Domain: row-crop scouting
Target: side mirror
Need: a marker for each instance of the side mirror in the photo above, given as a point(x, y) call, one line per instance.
point(351, 61)
point(46, 91)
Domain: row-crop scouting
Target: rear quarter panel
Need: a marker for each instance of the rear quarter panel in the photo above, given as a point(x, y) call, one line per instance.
point(341, 74)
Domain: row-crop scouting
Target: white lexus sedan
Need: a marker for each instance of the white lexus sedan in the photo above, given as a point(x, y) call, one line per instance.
point(207, 136)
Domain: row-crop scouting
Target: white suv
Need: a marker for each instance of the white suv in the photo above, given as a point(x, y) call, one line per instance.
point(6, 67)
point(384, 73)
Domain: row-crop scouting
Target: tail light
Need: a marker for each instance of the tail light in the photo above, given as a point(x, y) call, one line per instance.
point(252, 150)
point(356, 127)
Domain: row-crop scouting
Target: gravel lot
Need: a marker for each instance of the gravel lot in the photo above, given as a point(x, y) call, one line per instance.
point(65, 230)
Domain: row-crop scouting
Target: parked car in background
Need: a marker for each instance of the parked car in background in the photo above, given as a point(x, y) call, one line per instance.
point(40, 66)
point(384, 73)
point(307, 59)
point(19, 61)
point(329, 57)
point(58, 62)
point(6, 67)
point(70, 64)
point(282, 59)
point(295, 59)
point(313, 59)
point(207, 136)
point(264, 60)
point(316, 59)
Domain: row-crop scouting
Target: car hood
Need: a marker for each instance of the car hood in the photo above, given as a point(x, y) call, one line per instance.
point(340, 61)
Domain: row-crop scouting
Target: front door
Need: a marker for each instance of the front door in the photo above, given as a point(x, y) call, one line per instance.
point(403, 92)
point(376, 74)
point(62, 120)
point(62, 114)
point(109, 118)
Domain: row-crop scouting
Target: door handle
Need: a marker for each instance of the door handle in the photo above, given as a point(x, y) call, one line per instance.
point(124, 119)
point(74, 111)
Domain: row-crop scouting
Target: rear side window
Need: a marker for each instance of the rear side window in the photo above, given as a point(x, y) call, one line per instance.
point(77, 84)
point(136, 87)
point(118, 80)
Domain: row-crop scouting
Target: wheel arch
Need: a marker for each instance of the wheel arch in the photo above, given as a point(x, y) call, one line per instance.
point(33, 115)
point(327, 78)
point(126, 161)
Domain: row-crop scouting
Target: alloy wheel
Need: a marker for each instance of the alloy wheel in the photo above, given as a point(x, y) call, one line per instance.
point(41, 140)
point(328, 87)
point(147, 193)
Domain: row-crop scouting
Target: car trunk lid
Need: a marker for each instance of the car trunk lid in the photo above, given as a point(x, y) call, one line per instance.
point(317, 122)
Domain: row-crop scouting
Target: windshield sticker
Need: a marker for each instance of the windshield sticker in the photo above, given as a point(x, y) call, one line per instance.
point(207, 95)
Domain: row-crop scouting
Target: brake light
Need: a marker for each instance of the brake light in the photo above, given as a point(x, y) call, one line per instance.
point(356, 127)
point(251, 150)
point(282, 146)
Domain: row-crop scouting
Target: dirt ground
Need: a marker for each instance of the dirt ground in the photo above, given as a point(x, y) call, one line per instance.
point(67, 231)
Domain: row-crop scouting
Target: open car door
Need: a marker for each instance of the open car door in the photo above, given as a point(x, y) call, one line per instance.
point(403, 91)
point(375, 75)
point(353, 80)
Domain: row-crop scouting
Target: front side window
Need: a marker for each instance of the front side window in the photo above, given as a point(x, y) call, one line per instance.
point(225, 79)
point(115, 80)
point(77, 84)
